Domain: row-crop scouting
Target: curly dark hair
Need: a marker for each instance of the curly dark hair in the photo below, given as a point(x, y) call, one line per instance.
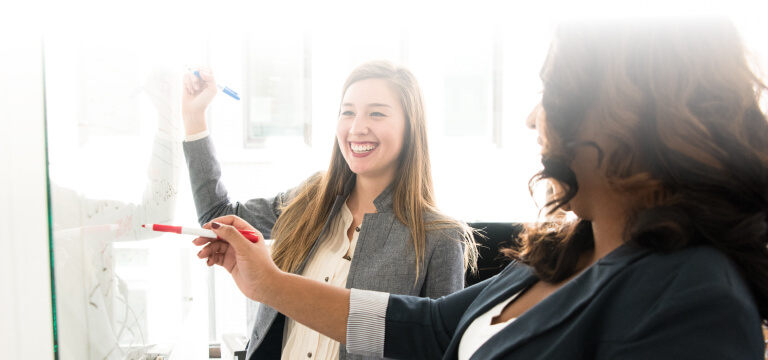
point(679, 98)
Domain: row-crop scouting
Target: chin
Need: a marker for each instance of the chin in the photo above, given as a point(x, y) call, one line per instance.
point(358, 171)
point(579, 213)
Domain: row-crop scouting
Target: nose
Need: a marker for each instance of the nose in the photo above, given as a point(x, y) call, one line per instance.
point(359, 127)
point(530, 121)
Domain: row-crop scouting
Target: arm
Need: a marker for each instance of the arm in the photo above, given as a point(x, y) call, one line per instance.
point(414, 325)
point(701, 323)
point(210, 195)
point(422, 328)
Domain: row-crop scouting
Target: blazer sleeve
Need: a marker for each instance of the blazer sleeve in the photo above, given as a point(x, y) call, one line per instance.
point(211, 197)
point(704, 322)
point(445, 267)
point(422, 328)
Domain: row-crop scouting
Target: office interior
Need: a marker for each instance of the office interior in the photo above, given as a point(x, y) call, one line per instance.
point(477, 66)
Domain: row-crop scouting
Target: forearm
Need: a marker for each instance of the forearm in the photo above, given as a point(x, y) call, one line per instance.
point(321, 307)
point(210, 194)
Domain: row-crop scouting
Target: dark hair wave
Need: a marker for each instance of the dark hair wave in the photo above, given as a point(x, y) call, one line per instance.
point(680, 99)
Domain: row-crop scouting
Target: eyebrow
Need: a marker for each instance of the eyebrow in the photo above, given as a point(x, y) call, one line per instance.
point(369, 105)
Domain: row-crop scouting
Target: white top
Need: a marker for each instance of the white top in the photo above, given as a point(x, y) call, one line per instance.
point(481, 329)
point(329, 264)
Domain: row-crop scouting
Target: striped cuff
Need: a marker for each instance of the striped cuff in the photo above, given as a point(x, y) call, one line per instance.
point(196, 136)
point(365, 326)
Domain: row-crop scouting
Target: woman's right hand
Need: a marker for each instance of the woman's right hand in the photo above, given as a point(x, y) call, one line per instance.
point(319, 306)
point(250, 264)
point(196, 96)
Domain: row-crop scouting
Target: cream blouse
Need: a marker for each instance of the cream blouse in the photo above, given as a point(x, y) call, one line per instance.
point(329, 264)
point(481, 329)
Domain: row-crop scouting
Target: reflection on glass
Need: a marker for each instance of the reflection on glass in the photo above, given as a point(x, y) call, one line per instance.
point(113, 130)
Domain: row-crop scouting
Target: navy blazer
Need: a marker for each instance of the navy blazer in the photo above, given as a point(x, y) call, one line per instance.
point(631, 304)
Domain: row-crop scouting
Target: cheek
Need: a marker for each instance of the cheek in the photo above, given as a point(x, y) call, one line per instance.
point(341, 131)
point(402, 131)
point(398, 138)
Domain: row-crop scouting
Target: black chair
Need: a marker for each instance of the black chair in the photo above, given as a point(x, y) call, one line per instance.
point(491, 261)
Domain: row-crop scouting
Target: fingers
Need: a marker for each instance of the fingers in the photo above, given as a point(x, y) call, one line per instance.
point(215, 247)
point(237, 241)
point(215, 254)
point(207, 75)
point(234, 221)
point(230, 234)
point(200, 82)
point(193, 84)
point(202, 241)
point(215, 259)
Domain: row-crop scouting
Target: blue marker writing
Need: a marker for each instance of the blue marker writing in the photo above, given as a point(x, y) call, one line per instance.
point(223, 88)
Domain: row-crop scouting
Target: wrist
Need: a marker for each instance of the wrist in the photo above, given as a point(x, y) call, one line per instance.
point(194, 123)
point(271, 288)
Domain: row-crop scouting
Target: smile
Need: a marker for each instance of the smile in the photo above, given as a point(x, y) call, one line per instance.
point(362, 148)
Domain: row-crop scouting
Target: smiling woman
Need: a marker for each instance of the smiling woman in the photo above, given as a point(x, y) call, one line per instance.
point(370, 221)
point(371, 129)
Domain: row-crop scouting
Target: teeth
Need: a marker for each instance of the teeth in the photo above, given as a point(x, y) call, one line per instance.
point(362, 148)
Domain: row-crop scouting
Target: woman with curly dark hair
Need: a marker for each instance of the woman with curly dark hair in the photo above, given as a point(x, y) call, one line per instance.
point(652, 135)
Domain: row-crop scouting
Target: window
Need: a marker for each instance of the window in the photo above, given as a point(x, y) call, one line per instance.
point(456, 68)
point(279, 98)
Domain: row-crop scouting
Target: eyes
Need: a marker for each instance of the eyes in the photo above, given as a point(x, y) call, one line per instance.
point(372, 114)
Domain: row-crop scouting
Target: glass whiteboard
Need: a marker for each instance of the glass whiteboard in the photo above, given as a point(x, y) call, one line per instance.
point(115, 162)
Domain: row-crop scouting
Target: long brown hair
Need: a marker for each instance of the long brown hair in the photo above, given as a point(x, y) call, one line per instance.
point(302, 220)
point(680, 99)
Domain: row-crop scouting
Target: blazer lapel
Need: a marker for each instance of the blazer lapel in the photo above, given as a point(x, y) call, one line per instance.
point(514, 278)
point(556, 308)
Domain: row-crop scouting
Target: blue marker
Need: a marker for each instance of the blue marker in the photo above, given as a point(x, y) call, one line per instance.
point(223, 88)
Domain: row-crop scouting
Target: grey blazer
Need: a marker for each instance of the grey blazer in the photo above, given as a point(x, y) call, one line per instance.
point(384, 258)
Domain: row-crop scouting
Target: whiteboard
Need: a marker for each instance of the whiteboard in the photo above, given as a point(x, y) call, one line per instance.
point(115, 162)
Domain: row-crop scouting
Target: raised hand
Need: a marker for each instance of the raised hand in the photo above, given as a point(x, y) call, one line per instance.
point(195, 98)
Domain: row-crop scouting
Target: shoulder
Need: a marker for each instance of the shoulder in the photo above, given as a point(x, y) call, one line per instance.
point(699, 273)
point(448, 235)
point(309, 183)
point(440, 226)
point(695, 264)
point(662, 295)
point(313, 180)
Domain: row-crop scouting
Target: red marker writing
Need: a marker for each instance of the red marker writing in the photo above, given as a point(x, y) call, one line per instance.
point(248, 234)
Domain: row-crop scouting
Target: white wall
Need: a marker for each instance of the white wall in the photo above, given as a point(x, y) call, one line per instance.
point(26, 326)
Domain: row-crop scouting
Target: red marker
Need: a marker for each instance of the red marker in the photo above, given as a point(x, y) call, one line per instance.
point(248, 234)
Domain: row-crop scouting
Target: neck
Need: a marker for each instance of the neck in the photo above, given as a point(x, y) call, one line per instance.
point(608, 229)
point(366, 190)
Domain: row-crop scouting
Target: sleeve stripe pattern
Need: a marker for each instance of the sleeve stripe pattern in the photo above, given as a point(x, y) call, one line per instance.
point(366, 323)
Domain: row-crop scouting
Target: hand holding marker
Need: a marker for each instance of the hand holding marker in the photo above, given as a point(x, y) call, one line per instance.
point(248, 234)
point(223, 88)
